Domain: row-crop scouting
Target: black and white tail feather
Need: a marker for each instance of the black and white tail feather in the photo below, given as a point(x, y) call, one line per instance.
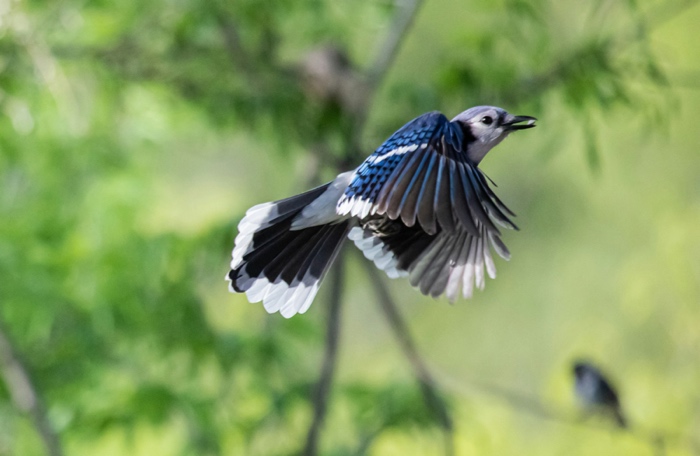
point(284, 248)
point(418, 207)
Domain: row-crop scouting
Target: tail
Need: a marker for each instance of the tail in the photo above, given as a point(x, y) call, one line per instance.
point(279, 258)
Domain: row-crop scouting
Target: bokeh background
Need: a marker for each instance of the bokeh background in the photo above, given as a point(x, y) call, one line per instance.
point(135, 134)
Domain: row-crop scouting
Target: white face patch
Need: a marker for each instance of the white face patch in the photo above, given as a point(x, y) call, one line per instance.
point(484, 143)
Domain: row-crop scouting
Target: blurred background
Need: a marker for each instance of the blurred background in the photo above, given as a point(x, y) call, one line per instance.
point(134, 135)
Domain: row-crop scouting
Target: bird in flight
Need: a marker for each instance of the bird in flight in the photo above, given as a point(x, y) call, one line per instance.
point(418, 207)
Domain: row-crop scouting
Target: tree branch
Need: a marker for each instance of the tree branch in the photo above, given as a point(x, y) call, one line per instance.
point(391, 45)
point(385, 58)
point(322, 389)
point(427, 384)
point(24, 394)
point(374, 76)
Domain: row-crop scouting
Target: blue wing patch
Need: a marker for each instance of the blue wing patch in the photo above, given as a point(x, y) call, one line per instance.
point(361, 195)
point(422, 174)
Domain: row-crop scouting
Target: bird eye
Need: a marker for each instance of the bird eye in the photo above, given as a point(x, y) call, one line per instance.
point(487, 120)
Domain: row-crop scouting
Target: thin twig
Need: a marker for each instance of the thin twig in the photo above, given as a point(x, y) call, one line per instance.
point(427, 384)
point(533, 406)
point(322, 389)
point(516, 401)
point(391, 45)
point(24, 394)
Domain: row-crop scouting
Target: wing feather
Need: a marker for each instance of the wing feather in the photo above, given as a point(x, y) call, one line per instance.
point(485, 184)
point(443, 211)
point(409, 202)
point(461, 199)
point(422, 176)
point(426, 211)
point(488, 203)
point(475, 204)
point(398, 191)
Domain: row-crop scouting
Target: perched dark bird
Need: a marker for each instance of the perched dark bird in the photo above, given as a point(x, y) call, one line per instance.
point(418, 207)
point(596, 393)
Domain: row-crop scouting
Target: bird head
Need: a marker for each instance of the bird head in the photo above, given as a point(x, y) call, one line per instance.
point(580, 368)
point(486, 126)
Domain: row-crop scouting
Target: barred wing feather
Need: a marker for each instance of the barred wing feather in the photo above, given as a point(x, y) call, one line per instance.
point(421, 174)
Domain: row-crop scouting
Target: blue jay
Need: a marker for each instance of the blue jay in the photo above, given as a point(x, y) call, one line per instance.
point(418, 207)
point(596, 393)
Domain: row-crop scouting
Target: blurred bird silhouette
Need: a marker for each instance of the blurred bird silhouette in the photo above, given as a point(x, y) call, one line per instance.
point(418, 207)
point(595, 392)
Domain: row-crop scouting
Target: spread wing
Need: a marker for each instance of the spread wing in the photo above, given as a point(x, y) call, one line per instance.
point(422, 174)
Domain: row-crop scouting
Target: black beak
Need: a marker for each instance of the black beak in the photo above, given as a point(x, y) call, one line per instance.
point(514, 122)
